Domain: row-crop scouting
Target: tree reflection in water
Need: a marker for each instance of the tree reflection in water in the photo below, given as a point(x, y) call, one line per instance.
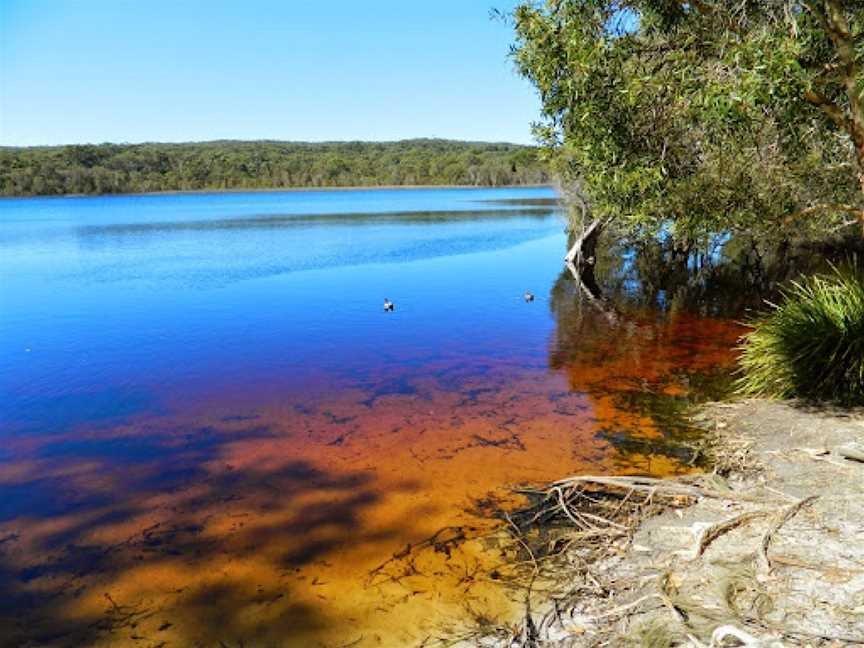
point(647, 332)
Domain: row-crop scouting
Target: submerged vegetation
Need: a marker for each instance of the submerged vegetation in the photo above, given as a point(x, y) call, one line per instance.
point(138, 168)
point(810, 344)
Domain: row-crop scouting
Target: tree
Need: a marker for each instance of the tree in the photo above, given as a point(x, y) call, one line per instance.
point(693, 118)
point(109, 168)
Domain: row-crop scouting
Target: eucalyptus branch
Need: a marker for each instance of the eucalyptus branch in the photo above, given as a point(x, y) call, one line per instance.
point(831, 109)
point(825, 207)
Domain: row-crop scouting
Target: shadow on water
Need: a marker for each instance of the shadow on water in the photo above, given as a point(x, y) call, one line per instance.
point(116, 537)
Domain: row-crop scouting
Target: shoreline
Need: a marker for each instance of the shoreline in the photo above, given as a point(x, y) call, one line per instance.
point(764, 547)
point(180, 192)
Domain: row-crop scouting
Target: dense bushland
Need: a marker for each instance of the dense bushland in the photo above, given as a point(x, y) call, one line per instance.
point(132, 168)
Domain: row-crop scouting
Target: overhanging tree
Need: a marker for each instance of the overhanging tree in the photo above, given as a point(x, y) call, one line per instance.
point(694, 118)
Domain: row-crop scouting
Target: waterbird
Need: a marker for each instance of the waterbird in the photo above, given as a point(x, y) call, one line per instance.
point(388, 305)
point(529, 297)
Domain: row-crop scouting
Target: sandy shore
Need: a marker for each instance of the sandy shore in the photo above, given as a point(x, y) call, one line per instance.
point(767, 550)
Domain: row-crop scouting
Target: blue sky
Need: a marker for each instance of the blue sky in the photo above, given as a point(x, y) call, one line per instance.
point(76, 71)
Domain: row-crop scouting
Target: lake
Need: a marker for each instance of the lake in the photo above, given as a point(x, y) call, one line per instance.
point(212, 434)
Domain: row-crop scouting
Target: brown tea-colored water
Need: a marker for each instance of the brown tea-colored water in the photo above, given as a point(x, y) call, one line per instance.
point(291, 486)
point(275, 536)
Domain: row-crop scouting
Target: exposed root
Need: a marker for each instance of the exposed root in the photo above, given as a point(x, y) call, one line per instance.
point(713, 532)
point(617, 561)
point(786, 515)
point(573, 529)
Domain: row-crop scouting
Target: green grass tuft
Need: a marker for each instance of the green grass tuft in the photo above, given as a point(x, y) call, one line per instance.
point(811, 344)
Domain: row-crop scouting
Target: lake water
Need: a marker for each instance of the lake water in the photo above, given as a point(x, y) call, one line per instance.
point(211, 431)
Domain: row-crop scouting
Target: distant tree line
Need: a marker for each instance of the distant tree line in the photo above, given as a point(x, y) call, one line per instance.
point(133, 168)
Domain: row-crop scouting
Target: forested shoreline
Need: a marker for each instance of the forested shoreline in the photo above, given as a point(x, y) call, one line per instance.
point(225, 165)
point(706, 124)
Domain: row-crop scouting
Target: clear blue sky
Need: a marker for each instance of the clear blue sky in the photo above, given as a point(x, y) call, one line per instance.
point(76, 71)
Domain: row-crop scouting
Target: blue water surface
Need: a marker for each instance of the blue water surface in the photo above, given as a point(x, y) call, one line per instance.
point(112, 306)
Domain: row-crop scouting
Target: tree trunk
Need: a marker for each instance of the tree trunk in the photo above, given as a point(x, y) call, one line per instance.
point(583, 250)
point(844, 42)
point(859, 154)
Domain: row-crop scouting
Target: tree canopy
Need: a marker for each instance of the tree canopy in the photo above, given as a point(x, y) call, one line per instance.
point(701, 117)
point(132, 168)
